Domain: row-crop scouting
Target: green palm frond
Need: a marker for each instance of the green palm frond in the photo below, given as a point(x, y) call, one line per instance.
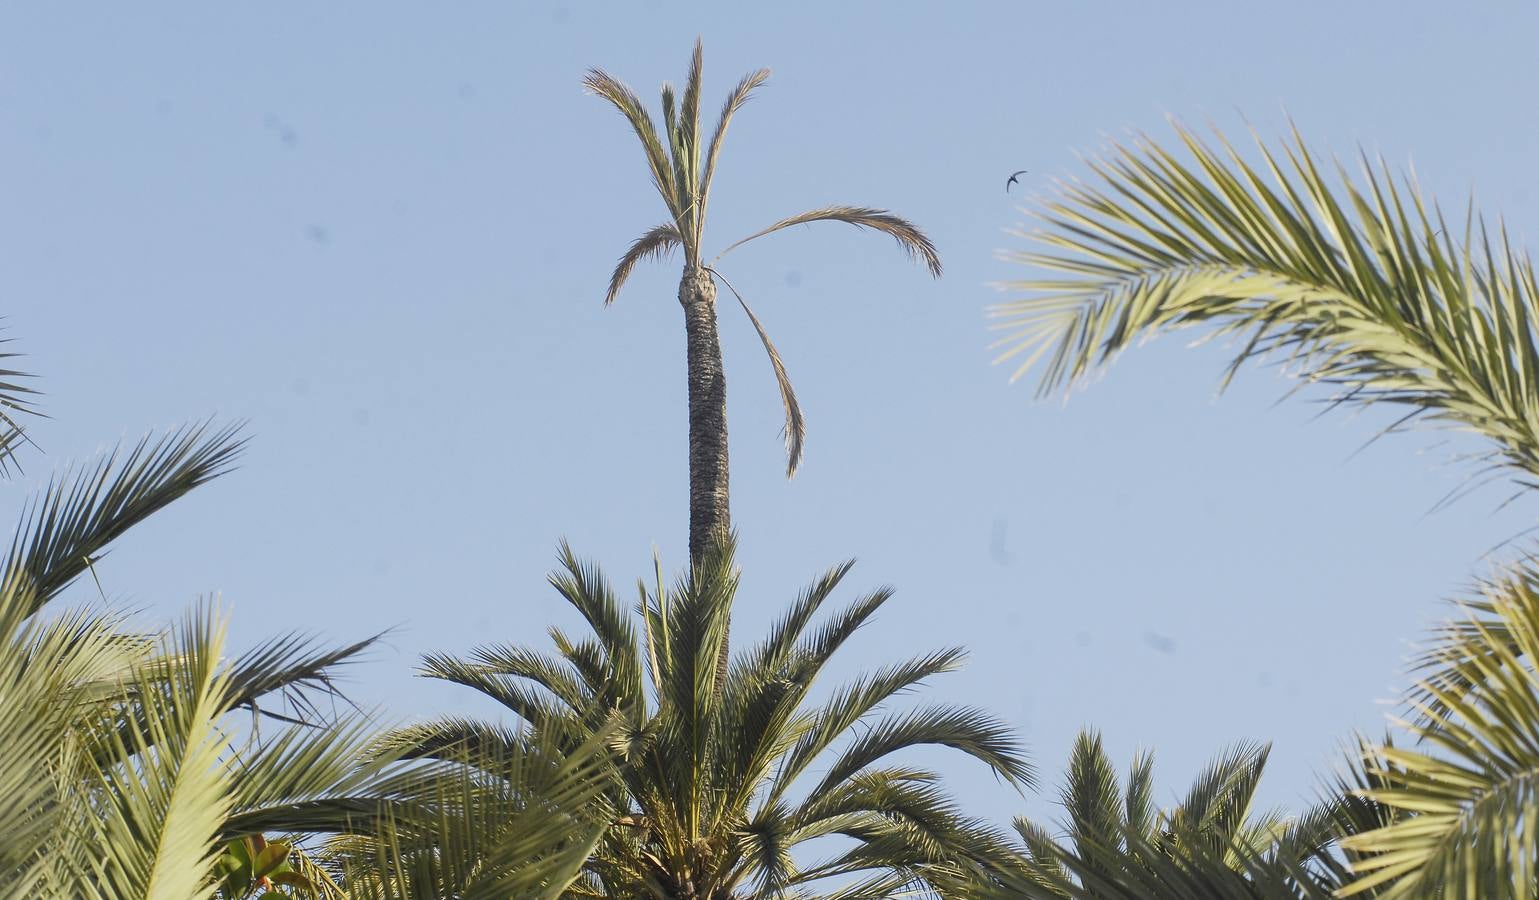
point(1461, 650)
point(525, 832)
point(1363, 288)
point(164, 797)
point(294, 667)
point(910, 239)
point(719, 782)
point(50, 671)
point(15, 402)
point(1463, 802)
point(1117, 844)
point(1093, 801)
point(66, 529)
point(1142, 872)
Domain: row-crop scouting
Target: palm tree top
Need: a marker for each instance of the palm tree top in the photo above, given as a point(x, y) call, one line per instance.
point(722, 773)
point(682, 169)
point(682, 166)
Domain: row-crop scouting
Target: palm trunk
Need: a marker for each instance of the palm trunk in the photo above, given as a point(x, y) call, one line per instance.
point(710, 516)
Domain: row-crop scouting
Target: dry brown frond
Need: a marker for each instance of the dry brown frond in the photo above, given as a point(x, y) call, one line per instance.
point(625, 100)
point(735, 100)
point(796, 425)
point(655, 243)
point(909, 237)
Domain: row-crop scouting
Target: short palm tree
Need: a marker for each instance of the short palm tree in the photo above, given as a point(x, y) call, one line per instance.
point(719, 784)
point(120, 768)
point(1370, 290)
point(682, 165)
point(1115, 829)
point(125, 770)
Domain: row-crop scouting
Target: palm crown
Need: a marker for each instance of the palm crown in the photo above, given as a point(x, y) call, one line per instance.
point(719, 777)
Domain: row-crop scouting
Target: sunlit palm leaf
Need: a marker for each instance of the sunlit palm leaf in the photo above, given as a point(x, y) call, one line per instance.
point(1362, 288)
point(164, 800)
point(1465, 800)
point(525, 832)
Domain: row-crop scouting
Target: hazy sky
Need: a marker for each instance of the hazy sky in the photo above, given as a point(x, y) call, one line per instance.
point(381, 233)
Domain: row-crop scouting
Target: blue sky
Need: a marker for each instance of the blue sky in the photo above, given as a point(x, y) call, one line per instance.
point(380, 233)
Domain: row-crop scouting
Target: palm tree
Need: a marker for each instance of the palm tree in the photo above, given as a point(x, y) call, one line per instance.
point(1115, 830)
point(1367, 290)
point(718, 784)
point(122, 770)
point(682, 166)
point(125, 769)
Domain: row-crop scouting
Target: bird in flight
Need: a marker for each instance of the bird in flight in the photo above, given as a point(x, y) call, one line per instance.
point(1014, 179)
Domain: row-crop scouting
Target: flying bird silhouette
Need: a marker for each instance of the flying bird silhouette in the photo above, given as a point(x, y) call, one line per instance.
point(1014, 179)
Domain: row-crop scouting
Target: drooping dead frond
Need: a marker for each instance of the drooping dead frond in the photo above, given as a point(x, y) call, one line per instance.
point(909, 237)
point(655, 243)
point(599, 82)
point(796, 426)
point(738, 97)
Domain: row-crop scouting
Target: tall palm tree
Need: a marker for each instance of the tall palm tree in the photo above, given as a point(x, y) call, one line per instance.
point(127, 760)
point(1366, 289)
point(682, 165)
point(719, 784)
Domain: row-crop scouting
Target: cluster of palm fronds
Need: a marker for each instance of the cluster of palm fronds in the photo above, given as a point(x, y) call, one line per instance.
point(1368, 291)
point(132, 764)
point(721, 775)
point(651, 759)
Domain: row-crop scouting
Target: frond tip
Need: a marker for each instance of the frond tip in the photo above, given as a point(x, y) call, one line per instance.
point(656, 244)
point(913, 241)
point(623, 99)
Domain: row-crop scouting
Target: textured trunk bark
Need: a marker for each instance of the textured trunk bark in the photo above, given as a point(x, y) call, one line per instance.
point(710, 517)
